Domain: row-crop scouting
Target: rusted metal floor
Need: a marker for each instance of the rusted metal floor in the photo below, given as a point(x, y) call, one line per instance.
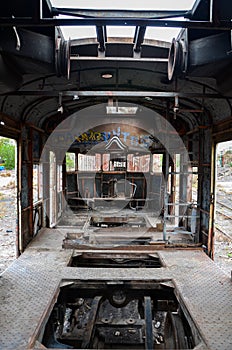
point(30, 285)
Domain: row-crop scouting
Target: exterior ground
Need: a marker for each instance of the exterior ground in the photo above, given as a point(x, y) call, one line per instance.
point(8, 219)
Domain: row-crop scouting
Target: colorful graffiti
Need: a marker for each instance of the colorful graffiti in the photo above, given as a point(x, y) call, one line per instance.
point(91, 137)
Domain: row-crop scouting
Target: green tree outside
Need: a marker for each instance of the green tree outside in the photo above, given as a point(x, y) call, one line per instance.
point(70, 161)
point(7, 153)
point(228, 157)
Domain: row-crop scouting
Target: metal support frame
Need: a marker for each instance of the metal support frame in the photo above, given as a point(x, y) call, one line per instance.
point(165, 196)
point(137, 18)
point(101, 37)
point(138, 38)
point(119, 59)
point(214, 11)
point(148, 323)
point(38, 10)
point(107, 93)
point(88, 336)
point(211, 9)
point(53, 22)
point(106, 13)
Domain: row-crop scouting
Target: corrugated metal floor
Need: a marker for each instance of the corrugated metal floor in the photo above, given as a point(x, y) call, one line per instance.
point(30, 284)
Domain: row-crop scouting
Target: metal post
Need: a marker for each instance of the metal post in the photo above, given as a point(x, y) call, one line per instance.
point(148, 324)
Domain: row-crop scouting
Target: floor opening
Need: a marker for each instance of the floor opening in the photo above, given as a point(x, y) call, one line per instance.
point(116, 260)
point(118, 315)
point(109, 221)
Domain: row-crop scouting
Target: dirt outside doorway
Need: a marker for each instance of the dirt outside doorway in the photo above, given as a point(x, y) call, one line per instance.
point(8, 203)
point(223, 213)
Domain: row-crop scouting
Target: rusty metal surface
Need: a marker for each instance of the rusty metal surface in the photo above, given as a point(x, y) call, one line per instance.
point(30, 285)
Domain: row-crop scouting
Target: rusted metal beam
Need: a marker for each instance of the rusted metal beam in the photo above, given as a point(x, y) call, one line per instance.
point(88, 335)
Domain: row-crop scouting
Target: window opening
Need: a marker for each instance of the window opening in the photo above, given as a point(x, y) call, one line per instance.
point(37, 182)
point(53, 190)
point(88, 162)
point(70, 161)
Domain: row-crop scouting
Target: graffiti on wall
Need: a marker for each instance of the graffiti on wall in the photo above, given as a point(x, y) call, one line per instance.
point(93, 137)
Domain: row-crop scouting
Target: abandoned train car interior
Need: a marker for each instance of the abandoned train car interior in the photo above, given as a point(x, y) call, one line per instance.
point(116, 131)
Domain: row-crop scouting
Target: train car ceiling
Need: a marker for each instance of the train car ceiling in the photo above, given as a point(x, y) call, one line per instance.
point(46, 79)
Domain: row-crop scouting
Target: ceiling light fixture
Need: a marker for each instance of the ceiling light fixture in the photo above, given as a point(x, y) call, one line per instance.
point(107, 75)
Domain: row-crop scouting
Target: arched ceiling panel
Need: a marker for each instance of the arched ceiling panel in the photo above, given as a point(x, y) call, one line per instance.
point(49, 71)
